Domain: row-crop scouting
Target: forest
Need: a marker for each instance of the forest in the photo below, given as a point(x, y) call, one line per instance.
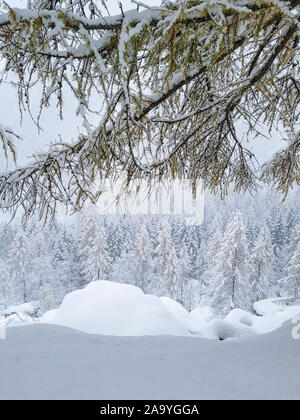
point(244, 251)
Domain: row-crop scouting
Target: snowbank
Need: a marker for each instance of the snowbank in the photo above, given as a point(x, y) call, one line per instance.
point(49, 316)
point(109, 308)
point(274, 312)
point(219, 329)
point(181, 314)
point(54, 362)
point(240, 317)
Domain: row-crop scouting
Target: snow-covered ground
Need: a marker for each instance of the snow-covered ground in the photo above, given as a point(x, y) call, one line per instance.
point(55, 362)
point(112, 341)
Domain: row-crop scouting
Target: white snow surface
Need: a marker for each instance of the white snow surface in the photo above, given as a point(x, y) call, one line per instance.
point(181, 314)
point(53, 362)
point(115, 342)
point(105, 307)
point(49, 316)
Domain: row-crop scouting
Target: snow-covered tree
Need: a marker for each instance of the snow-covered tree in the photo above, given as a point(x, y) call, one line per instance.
point(291, 280)
point(96, 262)
point(163, 249)
point(115, 240)
point(207, 263)
point(19, 257)
point(231, 286)
point(41, 270)
point(123, 269)
point(47, 298)
point(261, 266)
point(171, 276)
point(172, 84)
point(278, 231)
point(192, 239)
point(7, 233)
point(293, 242)
point(184, 269)
point(143, 259)
point(5, 284)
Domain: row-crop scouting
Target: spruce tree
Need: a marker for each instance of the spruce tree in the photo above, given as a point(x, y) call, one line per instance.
point(96, 262)
point(5, 285)
point(171, 275)
point(18, 260)
point(231, 286)
point(184, 270)
point(291, 280)
point(261, 266)
point(143, 259)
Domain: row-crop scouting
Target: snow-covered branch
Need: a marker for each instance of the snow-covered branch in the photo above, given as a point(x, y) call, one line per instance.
point(171, 83)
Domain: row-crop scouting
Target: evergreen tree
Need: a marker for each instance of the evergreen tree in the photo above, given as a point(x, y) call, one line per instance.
point(231, 286)
point(114, 240)
point(293, 242)
point(123, 270)
point(19, 258)
point(5, 284)
point(261, 266)
point(47, 298)
point(192, 239)
point(291, 280)
point(207, 263)
point(40, 263)
point(163, 249)
point(278, 230)
point(143, 259)
point(171, 275)
point(184, 269)
point(95, 259)
point(7, 234)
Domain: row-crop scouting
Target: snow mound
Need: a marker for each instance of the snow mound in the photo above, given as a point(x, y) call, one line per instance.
point(219, 329)
point(268, 306)
point(49, 316)
point(181, 314)
point(240, 316)
point(273, 314)
point(109, 308)
point(177, 310)
point(276, 305)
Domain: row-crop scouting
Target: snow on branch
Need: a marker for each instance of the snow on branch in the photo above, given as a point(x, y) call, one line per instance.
point(171, 83)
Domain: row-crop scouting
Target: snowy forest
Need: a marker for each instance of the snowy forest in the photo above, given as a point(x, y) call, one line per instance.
point(244, 251)
point(122, 98)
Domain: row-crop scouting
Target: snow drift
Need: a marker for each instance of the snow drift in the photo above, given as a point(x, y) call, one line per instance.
point(108, 308)
point(55, 362)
